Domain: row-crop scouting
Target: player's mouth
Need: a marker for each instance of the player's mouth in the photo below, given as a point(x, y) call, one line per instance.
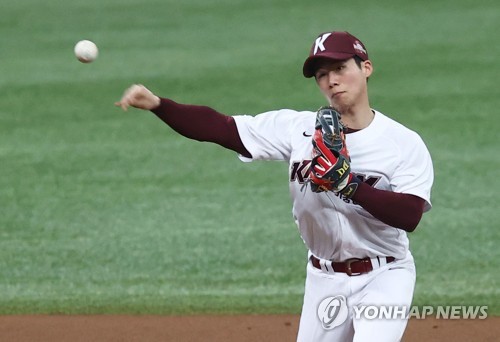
point(337, 94)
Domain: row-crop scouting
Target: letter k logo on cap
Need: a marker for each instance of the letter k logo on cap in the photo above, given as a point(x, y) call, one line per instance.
point(320, 41)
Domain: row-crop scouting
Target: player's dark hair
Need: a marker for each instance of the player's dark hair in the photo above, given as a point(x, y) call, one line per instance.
point(358, 61)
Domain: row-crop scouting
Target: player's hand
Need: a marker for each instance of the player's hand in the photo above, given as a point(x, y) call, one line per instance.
point(330, 169)
point(138, 96)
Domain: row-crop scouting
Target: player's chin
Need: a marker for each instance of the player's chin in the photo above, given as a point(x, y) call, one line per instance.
point(342, 104)
point(340, 107)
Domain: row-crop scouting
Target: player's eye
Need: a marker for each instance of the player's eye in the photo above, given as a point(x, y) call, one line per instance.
point(320, 74)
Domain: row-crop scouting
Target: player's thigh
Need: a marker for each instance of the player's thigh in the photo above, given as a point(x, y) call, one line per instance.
point(319, 286)
point(389, 295)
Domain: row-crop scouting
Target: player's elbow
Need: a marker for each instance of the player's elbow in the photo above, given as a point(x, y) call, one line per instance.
point(413, 219)
point(411, 227)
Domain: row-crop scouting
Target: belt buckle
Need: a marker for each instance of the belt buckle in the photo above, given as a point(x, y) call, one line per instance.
point(348, 263)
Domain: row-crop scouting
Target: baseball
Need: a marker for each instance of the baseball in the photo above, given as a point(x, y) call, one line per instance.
point(86, 51)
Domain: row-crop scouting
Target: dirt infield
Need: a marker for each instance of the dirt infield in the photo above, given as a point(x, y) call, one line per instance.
point(213, 328)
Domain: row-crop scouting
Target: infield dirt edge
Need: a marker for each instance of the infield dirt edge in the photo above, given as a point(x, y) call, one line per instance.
point(236, 328)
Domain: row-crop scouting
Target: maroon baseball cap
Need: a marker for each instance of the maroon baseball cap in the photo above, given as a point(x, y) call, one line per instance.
point(336, 46)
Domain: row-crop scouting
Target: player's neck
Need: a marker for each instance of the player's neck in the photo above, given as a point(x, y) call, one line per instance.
point(358, 118)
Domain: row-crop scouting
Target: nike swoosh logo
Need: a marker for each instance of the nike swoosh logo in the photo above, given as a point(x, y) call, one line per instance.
point(306, 135)
point(396, 268)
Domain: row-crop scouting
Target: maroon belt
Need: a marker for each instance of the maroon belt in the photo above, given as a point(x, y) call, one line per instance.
point(352, 267)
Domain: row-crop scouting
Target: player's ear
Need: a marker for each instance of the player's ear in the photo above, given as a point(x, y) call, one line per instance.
point(367, 68)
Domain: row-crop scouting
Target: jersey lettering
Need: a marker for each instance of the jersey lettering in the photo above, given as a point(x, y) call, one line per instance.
point(370, 180)
point(300, 170)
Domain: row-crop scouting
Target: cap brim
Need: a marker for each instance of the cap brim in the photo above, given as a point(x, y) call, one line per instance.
point(309, 67)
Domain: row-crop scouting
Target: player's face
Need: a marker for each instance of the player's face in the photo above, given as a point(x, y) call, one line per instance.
point(343, 83)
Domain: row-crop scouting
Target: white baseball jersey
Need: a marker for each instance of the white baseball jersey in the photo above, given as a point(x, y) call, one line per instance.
point(385, 154)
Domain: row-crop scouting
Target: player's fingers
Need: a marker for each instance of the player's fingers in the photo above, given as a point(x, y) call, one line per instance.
point(325, 163)
point(122, 104)
point(131, 96)
point(319, 169)
point(138, 96)
point(135, 91)
point(130, 93)
point(322, 149)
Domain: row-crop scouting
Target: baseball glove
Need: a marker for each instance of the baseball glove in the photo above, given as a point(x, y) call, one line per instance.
point(330, 166)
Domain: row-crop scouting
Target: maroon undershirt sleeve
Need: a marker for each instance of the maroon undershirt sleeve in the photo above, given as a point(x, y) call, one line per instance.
point(201, 123)
point(399, 210)
point(206, 124)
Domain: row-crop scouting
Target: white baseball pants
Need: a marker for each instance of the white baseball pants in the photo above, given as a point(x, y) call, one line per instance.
point(389, 287)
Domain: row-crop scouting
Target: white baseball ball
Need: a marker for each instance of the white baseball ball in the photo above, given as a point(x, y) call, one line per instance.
point(86, 51)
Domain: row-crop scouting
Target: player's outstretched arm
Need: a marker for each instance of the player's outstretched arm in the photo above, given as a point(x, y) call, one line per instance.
point(200, 123)
point(138, 96)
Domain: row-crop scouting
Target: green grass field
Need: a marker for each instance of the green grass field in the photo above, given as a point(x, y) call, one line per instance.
point(109, 212)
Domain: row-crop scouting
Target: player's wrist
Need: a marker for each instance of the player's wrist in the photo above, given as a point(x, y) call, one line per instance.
point(155, 102)
point(163, 106)
point(351, 185)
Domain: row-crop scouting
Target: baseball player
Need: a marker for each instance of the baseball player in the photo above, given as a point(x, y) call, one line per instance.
point(353, 205)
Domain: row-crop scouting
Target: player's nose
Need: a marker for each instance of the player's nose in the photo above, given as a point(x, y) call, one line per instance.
point(332, 79)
